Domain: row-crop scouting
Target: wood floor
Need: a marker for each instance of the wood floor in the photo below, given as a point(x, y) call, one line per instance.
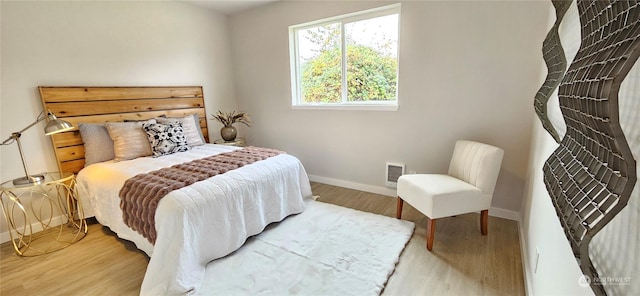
point(463, 262)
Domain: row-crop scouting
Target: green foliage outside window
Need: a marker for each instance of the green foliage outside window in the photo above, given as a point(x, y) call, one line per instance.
point(371, 76)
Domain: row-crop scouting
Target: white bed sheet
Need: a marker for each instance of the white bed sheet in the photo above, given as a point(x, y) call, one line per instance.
point(201, 222)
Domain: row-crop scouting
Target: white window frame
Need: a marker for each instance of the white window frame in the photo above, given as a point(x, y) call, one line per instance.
point(296, 94)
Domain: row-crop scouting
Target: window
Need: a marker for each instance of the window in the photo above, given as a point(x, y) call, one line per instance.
point(346, 62)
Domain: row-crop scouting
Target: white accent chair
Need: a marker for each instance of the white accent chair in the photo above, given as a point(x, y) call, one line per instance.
point(468, 186)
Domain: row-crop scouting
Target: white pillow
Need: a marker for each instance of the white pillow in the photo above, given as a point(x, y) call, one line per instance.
point(129, 139)
point(190, 125)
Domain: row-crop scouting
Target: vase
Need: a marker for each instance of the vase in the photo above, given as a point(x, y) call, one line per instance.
point(228, 133)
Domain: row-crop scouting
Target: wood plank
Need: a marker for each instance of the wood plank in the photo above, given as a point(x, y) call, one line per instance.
point(73, 166)
point(67, 139)
point(205, 133)
point(51, 94)
point(111, 107)
point(203, 120)
point(70, 153)
point(119, 117)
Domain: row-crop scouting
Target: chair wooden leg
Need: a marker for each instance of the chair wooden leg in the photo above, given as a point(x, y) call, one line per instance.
point(484, 220)
point(399, 208)
point(431, 231)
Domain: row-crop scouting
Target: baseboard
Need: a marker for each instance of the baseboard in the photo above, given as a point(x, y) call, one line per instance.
point(36, 227)
point(4, 237)
point(353, 185)
point(528, 290)
point(493, 211)
point(504, 214)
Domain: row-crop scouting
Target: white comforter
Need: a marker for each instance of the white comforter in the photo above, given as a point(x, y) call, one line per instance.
point(201, 222)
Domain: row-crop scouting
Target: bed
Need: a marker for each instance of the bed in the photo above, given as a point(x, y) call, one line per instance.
point(196, 224)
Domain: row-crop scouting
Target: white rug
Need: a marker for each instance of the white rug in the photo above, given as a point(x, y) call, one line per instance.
point(326, 250)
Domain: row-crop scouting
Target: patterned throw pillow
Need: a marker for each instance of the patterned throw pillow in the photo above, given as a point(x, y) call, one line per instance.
point(166, 139)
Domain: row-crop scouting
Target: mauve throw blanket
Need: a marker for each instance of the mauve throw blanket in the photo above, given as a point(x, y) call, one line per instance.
point(140, 194)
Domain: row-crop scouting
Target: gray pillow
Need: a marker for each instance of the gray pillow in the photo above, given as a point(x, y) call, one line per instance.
point(129, 139)
point(191, 127)
point(98, 146)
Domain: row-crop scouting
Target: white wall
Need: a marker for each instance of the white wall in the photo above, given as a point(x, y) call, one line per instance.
point(615, 250)
point(468, 70)
point(557, 270)
point(100, 43)
point(2, 135)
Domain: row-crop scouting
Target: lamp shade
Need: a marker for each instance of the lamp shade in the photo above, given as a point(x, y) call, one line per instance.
point(56, 125)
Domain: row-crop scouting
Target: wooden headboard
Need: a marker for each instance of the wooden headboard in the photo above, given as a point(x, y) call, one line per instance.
point(112, 104)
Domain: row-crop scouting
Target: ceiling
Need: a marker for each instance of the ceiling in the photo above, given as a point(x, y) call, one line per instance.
point(228, 6)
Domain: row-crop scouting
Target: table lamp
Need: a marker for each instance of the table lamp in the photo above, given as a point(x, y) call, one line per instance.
point(54, 126)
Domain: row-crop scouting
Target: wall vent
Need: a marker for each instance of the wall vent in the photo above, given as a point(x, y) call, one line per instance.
point(394, 171)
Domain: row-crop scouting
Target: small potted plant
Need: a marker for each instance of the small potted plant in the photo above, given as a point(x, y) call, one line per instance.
point(228, 131)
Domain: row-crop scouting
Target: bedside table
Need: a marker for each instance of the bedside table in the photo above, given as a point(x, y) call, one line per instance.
point(55, 220)
point(239, 142)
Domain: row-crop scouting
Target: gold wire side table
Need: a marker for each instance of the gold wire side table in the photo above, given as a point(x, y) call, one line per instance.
point(55, 220)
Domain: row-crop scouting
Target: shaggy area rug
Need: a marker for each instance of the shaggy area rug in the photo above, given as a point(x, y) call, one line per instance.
point(325, 250)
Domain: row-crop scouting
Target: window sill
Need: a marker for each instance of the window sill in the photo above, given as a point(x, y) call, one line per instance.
point(346, 107)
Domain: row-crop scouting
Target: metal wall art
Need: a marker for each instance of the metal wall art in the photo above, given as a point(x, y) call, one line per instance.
point(553, 55)
point(591, 175)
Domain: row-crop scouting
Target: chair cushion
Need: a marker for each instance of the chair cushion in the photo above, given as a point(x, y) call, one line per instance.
point(477, 164)
point(438, 196)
